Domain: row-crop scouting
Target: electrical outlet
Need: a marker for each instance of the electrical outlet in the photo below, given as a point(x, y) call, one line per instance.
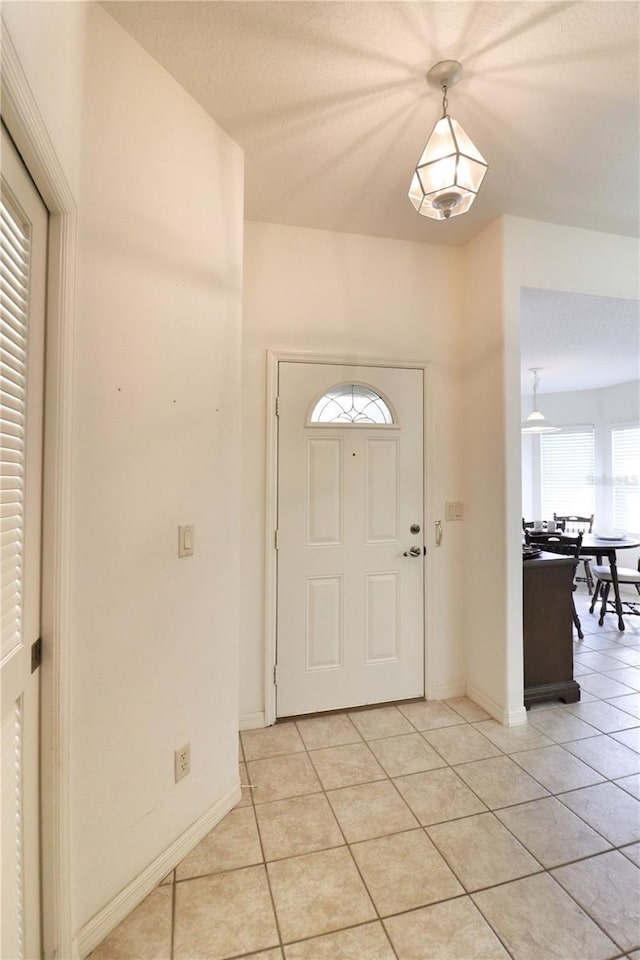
point(182, 761)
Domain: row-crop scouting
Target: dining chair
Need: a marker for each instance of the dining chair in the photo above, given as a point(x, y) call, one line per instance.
point(603, 585)
point(573, 523)
point(568, 546)
point(528, 525)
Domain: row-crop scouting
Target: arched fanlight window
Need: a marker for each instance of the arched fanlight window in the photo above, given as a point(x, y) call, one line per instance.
point(352, 403)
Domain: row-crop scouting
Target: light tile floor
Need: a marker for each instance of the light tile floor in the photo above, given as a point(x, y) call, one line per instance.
point(424, 831)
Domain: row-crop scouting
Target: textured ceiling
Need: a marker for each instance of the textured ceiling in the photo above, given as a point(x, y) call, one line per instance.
point(580, 342)
point(329, 102)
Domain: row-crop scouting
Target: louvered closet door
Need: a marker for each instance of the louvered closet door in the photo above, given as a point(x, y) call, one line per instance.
point(23, 237)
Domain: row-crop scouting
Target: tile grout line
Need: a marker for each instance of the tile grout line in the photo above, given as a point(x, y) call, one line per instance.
point(547, 870)
point(585, 911)
point(463, 722)
point(543, 870)
point(423, 829)
point(324, 792)
point(271, 897)
point(450, 766)
point(550, 795)
point(347, 844)
point(388, 777)
point(264, 863)
point(465, 892)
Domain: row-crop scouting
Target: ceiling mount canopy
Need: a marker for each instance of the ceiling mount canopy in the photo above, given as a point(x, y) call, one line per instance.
point(451, 169)
point(535, 422)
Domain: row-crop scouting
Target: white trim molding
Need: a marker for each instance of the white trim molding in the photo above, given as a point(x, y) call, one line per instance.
point(100, 926)
point(271, 520)
point(273, 358)
point(26, 126)
point(508, 718)
point(252, 721)
point(447, 691)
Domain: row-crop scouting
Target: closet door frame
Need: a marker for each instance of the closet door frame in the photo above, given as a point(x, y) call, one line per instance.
point(22, 119)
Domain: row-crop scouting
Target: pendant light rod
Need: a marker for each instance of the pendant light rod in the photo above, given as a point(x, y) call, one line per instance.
point(536, 422)
point(536, 383)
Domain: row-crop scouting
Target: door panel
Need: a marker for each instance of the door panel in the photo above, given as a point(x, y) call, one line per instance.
point(324, 491)
point(381, 492)
point(324, 628)
point(382, 632)
point(350, 618)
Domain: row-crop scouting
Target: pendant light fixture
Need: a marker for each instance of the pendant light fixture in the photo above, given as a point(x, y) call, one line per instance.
point(535, 422)
point(450, 170)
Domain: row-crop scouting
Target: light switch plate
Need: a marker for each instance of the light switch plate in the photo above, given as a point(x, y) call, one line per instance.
point(454, 510)
point(185, 540)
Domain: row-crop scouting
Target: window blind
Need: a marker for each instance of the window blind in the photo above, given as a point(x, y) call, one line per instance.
point(625, 480)
point(567, 468)
point(14, 287)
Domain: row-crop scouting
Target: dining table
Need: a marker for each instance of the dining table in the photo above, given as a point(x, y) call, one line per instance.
point(599, 547)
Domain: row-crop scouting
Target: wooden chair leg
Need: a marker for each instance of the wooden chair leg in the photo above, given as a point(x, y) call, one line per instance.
point(595, 596)
point(603, 608)
point(588, 576)
point(576, 622)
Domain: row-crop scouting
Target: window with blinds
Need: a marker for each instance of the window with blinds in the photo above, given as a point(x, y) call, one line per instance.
point(567, 471)
point(14, 286)
point(625, 477)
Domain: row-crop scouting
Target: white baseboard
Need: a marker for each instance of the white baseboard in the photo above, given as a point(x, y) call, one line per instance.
point(447, 691)
point(100, 926)
point(515, 717)
point(508, 718)
point(252, 721)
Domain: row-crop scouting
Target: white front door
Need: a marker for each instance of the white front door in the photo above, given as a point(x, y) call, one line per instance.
point(23, 246)
point(350, 615)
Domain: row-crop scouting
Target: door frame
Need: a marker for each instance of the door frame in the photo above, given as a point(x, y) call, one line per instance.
point(22, 118)
point(274, 358)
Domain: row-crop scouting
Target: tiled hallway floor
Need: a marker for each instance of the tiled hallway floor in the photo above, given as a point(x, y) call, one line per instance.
point(424, 832)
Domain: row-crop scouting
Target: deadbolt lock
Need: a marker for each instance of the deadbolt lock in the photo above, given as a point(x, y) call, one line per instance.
point(415, 528)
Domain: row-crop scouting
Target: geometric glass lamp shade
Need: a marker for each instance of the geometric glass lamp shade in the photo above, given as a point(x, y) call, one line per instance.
point(451, 169)
point(535, 422)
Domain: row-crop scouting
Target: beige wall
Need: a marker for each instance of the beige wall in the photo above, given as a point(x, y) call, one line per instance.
point(490, 654)
point(158, 421)
point(510, 254)
point(156, 387)
point(549, 257)
point(345, 295)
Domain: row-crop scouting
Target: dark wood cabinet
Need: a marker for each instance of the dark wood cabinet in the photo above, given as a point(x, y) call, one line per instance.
point(547, 626)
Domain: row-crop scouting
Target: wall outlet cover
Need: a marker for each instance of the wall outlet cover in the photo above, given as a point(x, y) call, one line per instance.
point(182, 762)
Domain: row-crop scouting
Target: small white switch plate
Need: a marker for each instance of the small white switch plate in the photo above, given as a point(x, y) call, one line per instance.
point(185, 540)
point(182, 762)
point(454, 510)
